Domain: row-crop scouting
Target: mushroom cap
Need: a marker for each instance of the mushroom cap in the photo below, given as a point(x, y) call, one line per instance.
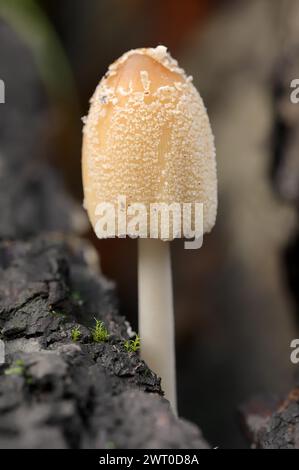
point(147, 139)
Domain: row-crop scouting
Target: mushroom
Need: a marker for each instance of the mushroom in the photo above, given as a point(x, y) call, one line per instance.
point(147, 140)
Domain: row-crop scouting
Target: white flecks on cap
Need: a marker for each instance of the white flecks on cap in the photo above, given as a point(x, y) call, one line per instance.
point(148, 137)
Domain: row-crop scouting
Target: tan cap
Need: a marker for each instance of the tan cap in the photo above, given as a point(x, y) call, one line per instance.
point(147, 138)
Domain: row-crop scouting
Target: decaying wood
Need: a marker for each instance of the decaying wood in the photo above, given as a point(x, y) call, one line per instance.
point(273, 425)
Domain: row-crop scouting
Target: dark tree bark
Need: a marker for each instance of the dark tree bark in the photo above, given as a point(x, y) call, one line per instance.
point(273, 424)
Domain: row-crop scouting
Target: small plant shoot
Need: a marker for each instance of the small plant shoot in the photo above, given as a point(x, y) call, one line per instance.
point(75, 334)
point(99, 332)
point(132, 345)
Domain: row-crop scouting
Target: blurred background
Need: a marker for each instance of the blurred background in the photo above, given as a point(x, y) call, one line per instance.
point(237, 298)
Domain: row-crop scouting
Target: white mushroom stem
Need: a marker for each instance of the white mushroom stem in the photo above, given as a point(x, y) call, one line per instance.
point(156, 317)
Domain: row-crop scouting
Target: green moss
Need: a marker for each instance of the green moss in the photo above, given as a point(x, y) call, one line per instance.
point(76, 297)
point(110, 445)
point(29, 380)
point(75, 334)
point(58, 313)
point(99, 332)
point(132, 345)
point(17, 368)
